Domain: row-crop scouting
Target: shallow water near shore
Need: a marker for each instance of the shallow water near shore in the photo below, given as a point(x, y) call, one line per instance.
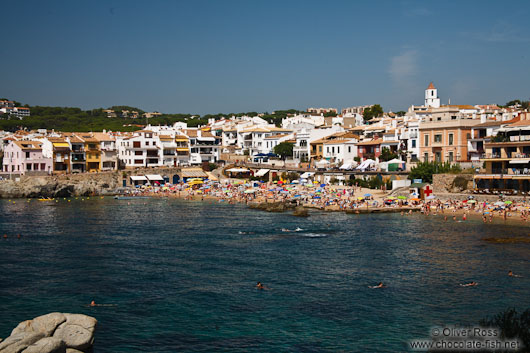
point(182, 274)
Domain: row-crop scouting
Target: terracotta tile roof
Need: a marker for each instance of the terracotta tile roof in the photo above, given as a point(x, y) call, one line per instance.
point(371, 142)
point(431, 86)
point(29, 145)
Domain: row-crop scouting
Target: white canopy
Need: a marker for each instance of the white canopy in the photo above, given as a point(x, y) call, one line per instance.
point(154, 177)
point(306, 175)
point(237, 170)
point(138, 177)
point(261, 172)
point(519, 161)
point(395, 160)
point(366, 164)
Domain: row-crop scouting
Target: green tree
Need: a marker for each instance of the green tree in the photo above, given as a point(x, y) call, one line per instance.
point(401, 113)
point(387, 155)
point(284, 149)
point(374, 111)
point(425, 170)
point(331, 113)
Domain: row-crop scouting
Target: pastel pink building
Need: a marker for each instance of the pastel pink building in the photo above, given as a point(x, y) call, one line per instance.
point(25, 157)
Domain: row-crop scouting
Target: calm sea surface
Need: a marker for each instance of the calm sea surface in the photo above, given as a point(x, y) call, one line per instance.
point(182, 275)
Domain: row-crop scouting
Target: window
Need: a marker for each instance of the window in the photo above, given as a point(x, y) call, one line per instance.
point(349, 149)
point(27, 154)
point(138, 153)
point(319, 148)
point(137, 161)
point(28, 166)
point(42, 166)
point(453, 117)
point(439, 119)
point(332, 149)
point(451, 138)
point(413, 144)
point(437, 138)
point(426, 139)
point(136, 144)
point(426, 157)
point(468, 136)
point(451, 156)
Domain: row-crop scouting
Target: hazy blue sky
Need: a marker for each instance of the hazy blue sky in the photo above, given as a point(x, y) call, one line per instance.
point(232, 56)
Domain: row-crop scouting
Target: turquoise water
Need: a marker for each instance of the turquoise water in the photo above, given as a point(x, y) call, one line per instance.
point(183, 276)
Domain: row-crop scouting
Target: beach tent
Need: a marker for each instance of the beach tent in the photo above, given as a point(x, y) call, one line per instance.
point(261, 172)
point(366, 164)
point(348, 165)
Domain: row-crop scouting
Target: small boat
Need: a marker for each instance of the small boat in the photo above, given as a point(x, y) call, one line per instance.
point(46, 199)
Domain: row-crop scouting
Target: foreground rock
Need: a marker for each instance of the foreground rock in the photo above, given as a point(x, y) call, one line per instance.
point(272, 206)
point(300, 211)
point(52, 333)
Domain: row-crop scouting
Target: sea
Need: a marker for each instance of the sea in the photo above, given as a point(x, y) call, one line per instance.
point(180, 276)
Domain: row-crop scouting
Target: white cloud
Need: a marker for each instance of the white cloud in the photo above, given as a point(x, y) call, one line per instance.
point(403, 67)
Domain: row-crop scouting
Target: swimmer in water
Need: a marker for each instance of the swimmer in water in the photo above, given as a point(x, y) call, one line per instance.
point(92, 303)
point(259, 285)
point(511, 274)
point(380, 285)
point(471, 284)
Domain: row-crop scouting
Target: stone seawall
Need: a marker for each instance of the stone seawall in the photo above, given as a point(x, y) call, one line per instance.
point(449, 183)
point(61, 185)
point(85, 184)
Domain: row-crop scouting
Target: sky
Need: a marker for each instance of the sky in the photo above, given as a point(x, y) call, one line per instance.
point(223, 56)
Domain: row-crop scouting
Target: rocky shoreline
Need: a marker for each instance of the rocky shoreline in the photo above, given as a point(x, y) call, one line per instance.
point(60, 186)
point(52, 333)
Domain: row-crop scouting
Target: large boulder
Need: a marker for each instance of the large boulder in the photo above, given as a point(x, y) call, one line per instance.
point(77, 332)
point(17, 343)
point(45, 324)
point(300, 211)
point(47, 345)
point(52, 333)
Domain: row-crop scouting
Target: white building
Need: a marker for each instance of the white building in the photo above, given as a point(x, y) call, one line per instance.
point(142, 149)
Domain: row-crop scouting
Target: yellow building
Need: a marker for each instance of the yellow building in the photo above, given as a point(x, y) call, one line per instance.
point(183, 149)
point(93, 153)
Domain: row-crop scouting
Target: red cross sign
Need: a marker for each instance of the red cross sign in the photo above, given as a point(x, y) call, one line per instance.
point(427, 191)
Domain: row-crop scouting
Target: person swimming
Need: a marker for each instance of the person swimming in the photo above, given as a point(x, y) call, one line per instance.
point(259, 285)
point(92, 303)
point(511, 274)
point(470, 284)
point(380, 285)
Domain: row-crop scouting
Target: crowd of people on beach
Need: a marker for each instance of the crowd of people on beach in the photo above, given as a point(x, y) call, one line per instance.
point(341, 198)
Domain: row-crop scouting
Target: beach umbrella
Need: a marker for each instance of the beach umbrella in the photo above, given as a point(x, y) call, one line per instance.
point(472, 201)
point(402, 197)
point(391, 198)
point(316, 197)
point(297, 195)
point(499, 203)
point(508, 202)
point(250, 191)
point(315, 182)
point(322, 185)
point(367, 195)
point(360, 198)
point(415, 199)
point(430, 197)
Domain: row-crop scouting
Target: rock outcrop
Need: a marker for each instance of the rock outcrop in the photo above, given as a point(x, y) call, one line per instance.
point(52, 333)
point(61, 186)
point(300, 211)
point(272, 206)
